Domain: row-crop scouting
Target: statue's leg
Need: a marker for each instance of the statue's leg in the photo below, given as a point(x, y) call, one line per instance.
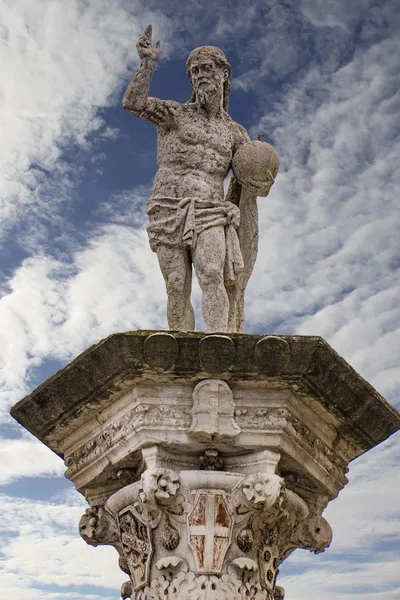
point(176, 267)
point(209, 261)
point(232, 316)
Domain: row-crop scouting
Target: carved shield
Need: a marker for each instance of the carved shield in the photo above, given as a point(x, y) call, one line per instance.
point(210, 530)
point(137, 546)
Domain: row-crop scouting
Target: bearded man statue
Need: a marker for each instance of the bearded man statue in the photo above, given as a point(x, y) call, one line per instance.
point(192, 224)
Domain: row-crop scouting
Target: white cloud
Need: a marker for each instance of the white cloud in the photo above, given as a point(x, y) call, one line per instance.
point(328, 257)
point(25, 457)
point(341, 13)
point(12, 589)
point(328, 233)
point(57, 310)
point(61, 62)
point(360, 562)
point(367, 503)
point(364, 515)
point(42, 533)
point(346, 581)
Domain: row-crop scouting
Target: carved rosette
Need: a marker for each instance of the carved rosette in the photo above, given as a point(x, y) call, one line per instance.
point(204, 534)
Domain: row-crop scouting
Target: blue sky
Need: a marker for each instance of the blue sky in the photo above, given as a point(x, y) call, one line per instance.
point(320, 80)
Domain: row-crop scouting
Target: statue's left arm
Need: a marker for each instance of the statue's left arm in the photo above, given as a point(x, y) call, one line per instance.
point(240, 137)
point(247, 234)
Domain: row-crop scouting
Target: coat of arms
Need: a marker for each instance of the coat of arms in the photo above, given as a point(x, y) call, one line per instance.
point(210, 530)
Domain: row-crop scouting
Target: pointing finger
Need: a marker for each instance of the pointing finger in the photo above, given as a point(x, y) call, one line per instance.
point(148, 31)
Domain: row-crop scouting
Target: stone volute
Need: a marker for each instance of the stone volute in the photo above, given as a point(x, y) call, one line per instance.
point(207, 459)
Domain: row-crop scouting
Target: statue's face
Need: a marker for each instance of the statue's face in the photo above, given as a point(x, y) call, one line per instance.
point(207, 78)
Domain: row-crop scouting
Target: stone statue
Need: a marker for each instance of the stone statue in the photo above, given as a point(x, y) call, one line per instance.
point(190, 220)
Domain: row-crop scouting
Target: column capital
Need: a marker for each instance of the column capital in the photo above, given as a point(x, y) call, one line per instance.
point(213, 534)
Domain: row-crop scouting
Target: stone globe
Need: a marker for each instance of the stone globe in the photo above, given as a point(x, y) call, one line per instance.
point(255, 165)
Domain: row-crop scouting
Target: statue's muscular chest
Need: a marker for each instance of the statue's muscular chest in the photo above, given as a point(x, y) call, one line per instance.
point(197, 137)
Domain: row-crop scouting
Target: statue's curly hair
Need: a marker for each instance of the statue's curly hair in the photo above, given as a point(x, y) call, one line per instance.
point(220, 59)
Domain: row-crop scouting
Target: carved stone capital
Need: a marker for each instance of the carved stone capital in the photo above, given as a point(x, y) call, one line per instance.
point(262, 489)
point(206, 458)
point(204, 534)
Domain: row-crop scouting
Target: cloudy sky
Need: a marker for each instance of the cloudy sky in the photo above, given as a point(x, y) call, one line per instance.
point(320, 80)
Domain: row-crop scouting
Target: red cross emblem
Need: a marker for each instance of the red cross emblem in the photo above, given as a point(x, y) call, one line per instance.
point(210, 529)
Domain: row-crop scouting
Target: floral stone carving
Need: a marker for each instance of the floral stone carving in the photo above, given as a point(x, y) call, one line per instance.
point(204, 534)
point(261, 488)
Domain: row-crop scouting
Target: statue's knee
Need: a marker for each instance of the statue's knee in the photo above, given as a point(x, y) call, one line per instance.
point(211, 276)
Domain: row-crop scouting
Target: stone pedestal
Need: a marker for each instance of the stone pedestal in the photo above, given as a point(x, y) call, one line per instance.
point(207, 459)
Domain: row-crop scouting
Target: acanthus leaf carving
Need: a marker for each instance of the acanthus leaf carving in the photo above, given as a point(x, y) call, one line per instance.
point(187, 584)
point(262, 489)
point(159, 486)
point(137, 545)
point(143, 415)
point(98, 527)
point(204, 542)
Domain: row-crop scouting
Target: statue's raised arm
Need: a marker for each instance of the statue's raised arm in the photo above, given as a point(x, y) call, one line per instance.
point(136, 98)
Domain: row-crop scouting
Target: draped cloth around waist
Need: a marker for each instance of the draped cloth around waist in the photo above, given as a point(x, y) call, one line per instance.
point(177, 222)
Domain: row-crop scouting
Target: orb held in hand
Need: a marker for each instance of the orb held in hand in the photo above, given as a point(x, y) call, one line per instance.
point(255, 165)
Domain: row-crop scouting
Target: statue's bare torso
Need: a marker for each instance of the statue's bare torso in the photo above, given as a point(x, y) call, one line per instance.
point(194, 153)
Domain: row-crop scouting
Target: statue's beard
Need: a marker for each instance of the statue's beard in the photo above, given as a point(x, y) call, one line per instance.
point(207, 93)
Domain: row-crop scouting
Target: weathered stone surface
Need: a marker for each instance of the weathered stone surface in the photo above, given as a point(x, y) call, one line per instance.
point(271, 355)
point(160, 351)
point(110, 368)
point(255, 165)
point(102, 411)
point(207, 459)
point(181, 533)
point(216, 353)
point(213, 412)
point(190, 220)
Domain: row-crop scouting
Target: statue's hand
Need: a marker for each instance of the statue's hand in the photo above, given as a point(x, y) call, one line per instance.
point(233, 214)
point(144, 47)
